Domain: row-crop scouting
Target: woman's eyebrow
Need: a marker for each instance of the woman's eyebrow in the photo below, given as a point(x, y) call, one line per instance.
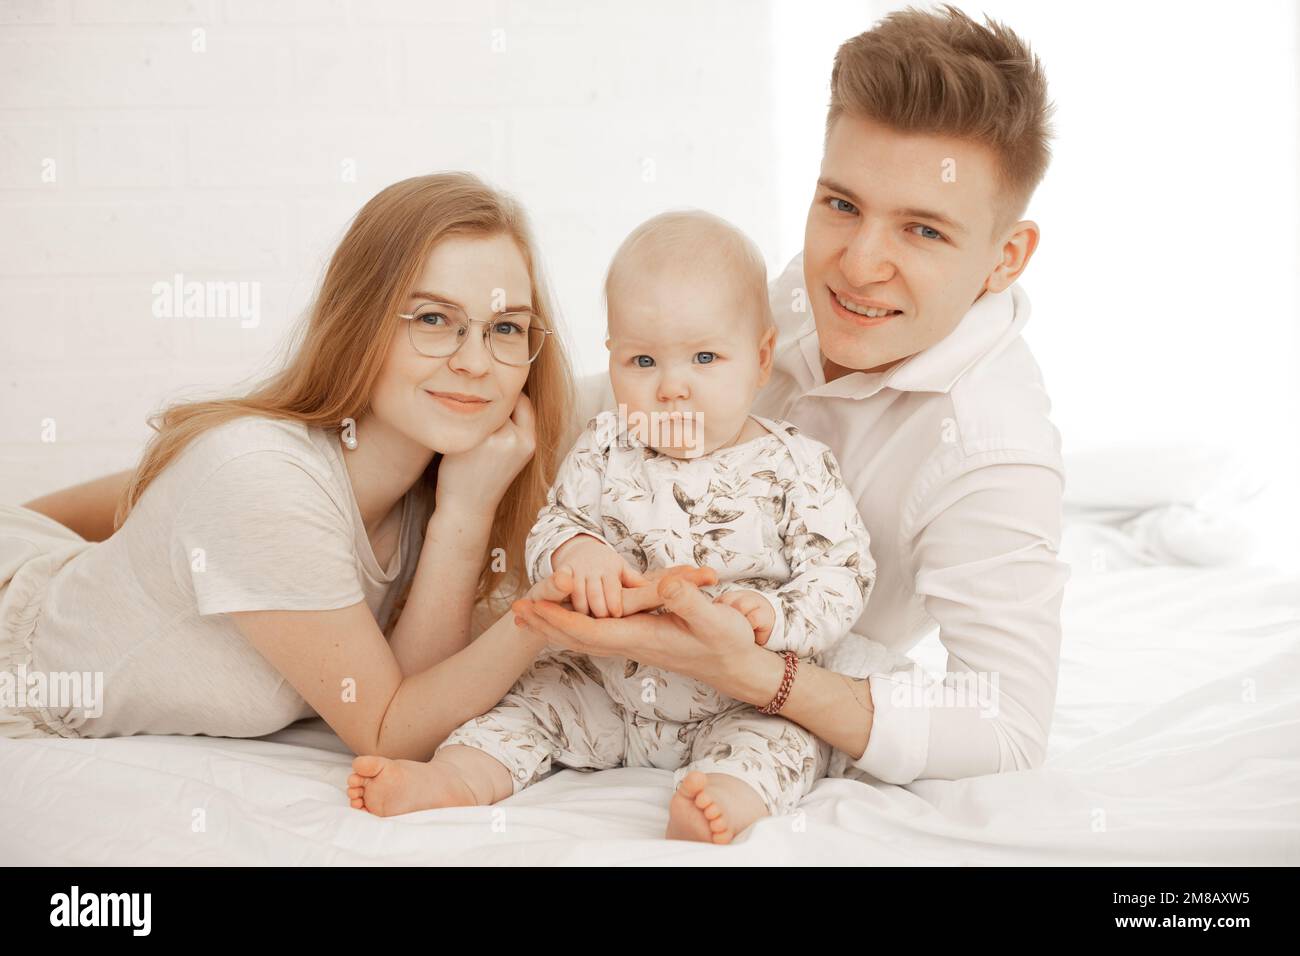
point(439, 297)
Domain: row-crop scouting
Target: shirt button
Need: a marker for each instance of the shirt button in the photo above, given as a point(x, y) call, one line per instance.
point(521, 773)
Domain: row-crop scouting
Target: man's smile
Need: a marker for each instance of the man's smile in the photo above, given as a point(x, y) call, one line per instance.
point(861, 314)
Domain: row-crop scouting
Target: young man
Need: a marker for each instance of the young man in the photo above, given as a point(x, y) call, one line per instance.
point(911, 367)
point(913, 370)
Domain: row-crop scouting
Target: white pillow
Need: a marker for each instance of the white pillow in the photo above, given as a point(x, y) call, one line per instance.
point(1172, 534)
point(1108, 483)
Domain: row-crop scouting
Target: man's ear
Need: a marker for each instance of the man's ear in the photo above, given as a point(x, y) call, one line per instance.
point(1017, 249)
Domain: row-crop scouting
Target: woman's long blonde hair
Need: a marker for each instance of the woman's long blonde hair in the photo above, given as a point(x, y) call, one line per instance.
point(330, 374)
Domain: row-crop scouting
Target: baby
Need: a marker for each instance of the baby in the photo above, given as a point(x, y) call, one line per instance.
point(680, 473)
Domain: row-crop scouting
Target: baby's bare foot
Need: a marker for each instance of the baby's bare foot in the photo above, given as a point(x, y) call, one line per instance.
point(388, 787)
point(712, 808)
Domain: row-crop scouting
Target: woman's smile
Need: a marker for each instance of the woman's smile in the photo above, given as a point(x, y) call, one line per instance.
point(459, 401)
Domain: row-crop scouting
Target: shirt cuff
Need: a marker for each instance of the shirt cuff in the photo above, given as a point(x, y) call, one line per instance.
point(899, 744)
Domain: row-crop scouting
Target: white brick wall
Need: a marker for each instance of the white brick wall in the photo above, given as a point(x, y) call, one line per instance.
point(127, 156)
point(148, 138)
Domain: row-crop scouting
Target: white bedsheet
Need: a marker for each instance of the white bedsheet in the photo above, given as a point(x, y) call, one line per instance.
point(1176, 741)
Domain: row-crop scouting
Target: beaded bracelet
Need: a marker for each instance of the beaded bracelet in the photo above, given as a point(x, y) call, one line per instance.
point(787, 681)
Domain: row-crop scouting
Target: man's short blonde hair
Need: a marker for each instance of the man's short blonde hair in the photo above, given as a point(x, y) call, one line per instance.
point(692, 241)
point(941, 73)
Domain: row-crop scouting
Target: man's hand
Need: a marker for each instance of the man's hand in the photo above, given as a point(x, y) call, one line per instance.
point(756, 608)
point(647, 597)
point(697, 637)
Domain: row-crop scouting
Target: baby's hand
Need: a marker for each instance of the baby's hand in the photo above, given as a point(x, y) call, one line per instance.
point(599, 575)
point(757, 610)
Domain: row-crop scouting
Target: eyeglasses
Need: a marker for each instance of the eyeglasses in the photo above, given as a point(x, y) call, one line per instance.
point(438, 330)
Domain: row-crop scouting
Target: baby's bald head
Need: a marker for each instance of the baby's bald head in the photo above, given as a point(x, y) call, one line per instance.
point(688, 247)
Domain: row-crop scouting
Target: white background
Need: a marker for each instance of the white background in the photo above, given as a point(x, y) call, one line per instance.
point(1164, 291)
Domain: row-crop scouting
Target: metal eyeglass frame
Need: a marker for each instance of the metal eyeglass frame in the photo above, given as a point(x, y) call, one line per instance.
point(410, 335)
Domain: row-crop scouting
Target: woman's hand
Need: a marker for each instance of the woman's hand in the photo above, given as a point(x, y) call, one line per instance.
point(476, 480)
point(697, 637)
point(555, 589)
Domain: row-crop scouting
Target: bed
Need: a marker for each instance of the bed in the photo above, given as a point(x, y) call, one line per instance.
point(1176, 738)
point(1176, 741)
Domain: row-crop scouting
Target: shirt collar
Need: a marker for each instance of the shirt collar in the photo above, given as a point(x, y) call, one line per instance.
point(993, 318)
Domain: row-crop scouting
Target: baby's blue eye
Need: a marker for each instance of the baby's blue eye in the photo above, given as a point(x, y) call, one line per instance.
point(637, 359)
point(937, 233)
point(709, 360)
point(834, 199)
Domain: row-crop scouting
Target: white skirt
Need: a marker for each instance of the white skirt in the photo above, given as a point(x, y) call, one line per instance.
point(32, 550)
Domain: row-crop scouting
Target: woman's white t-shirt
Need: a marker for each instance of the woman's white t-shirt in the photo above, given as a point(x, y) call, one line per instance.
point(255, 514)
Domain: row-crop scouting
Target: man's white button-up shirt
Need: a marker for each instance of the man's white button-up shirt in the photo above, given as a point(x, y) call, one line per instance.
point(957, 473)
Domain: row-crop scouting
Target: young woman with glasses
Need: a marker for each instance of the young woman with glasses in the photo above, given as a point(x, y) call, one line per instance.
point(318, 546)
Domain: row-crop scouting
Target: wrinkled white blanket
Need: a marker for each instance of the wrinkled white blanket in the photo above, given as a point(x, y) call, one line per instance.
point(1176, 741)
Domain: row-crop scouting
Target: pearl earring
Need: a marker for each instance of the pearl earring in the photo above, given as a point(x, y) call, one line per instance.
point(349, 428)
